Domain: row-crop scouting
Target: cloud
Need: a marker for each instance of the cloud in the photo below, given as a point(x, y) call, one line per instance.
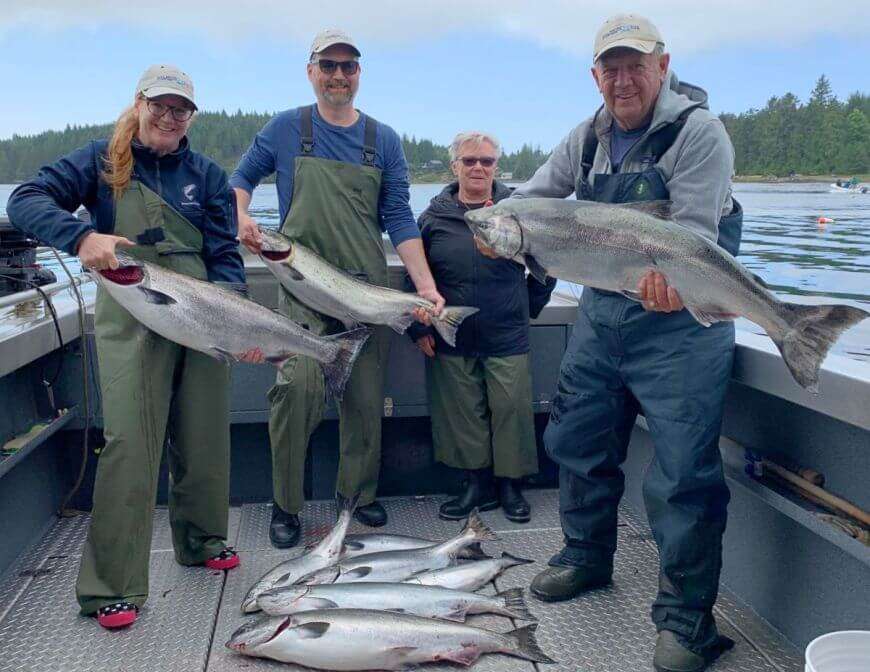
point(566, 25)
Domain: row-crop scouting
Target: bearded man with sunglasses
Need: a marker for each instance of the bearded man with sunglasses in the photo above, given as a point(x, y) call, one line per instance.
point(342, 179)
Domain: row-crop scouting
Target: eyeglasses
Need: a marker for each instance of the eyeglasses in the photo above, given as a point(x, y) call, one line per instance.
point(485, 161)
point(159, 109)
point(327, 66)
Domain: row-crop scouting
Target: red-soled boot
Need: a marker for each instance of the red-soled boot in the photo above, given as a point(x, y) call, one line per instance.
point(118, 615)
point(226, 559)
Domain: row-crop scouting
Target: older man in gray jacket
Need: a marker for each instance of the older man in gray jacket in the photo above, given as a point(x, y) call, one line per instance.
point(653, 138)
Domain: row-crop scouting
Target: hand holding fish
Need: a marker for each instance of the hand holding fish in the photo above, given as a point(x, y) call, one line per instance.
point(97, 250)
point(430, 294)
point(657, 295)
point(249, 233)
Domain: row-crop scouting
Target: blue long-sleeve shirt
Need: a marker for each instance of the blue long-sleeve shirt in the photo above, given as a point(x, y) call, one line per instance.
point(192, 184)
point(276, 146)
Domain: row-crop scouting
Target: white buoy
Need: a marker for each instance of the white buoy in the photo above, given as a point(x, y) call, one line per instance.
point(844, 651)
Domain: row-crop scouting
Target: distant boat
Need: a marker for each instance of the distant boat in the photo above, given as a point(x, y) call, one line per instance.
point(852, 189)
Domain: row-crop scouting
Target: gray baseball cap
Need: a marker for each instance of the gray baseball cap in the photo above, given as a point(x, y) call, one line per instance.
point(332, 36)
point(160, 80)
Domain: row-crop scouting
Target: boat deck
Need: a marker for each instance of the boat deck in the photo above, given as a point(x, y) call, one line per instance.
point(192, 611)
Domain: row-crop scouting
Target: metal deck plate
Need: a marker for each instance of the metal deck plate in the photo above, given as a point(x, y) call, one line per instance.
point(192, 612)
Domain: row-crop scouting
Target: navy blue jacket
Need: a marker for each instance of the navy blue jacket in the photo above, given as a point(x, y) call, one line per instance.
point(464, 277)
point(192, 184)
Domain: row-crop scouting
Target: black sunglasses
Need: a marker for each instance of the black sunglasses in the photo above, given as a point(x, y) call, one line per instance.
point(485, 161)
point(327, 66)
point(159, 109)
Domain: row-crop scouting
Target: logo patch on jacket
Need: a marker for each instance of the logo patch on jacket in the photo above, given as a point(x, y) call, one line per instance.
point(189, 192)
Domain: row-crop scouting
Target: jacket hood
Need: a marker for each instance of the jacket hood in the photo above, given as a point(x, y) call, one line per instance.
point(445, 204)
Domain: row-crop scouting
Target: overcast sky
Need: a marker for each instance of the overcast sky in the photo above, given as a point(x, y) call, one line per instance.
point(517, 69)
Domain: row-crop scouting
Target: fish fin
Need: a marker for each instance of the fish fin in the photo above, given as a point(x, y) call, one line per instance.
point(512, 560)
point(353, 545)
point(473, 552)
point(447, 323)
point(157, 298)
point(223, 355)
point(350, 322)
point(399, 653)
point(356, 573)
point(538, 272)
point(401, 322)
point(515, 604)
point(319, 577)
point(527, 645)
point(467, 655)
point(707, 317)
point(312, 630)
point(479, 528)
point(660, 209)
point(457, 615)
point(294, 273)
point(345, 504)
point(811, 331)
point(322, 603)
point(337, 371)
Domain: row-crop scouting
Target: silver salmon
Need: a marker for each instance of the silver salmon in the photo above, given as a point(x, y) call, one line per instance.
point(400, 565)
point(322, 555)
point(406, 598)
point(363, 544)
point(363, 639)
point(468, 576)
point(222, 323)
point(611, 247)
point(332, 291)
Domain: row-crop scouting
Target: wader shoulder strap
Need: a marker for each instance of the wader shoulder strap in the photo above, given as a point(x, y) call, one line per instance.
point(306, 130)
point(659, 142)
point(369, 136)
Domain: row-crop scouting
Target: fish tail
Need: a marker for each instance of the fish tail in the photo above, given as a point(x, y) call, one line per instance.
point(515, 604)
point(479, 530)
point(527, 645)
point(345, 506)
point(473, 552)
point(509, 560)
point(337, 371)
point(811, 332)
point(449, 320)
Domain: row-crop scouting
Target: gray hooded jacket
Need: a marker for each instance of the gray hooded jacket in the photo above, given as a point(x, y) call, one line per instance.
point(697, 169)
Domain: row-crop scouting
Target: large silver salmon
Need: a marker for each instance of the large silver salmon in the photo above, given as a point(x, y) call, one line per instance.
point(468, 576)
point(363, 639)
point(324, 554)
point(363, 544)
point(331, 291)
point(611, 247)
point(407, 598)
point(399, 565)
point(222, 323)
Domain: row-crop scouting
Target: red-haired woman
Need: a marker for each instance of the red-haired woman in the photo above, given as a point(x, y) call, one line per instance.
point(147, 191)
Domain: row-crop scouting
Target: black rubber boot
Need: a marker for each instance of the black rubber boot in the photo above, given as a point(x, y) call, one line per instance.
point(562, 583)
point(479, 494)
point(673, 656)
point(514, 505)
point(285, 528)
point(372, 514)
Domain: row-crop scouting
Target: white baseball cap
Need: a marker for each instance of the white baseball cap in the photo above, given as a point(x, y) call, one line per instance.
point(626, 30)
point(160, 80)
point(332, 36)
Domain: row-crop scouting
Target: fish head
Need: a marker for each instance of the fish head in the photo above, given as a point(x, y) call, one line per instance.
point(130, 272)
point(257, 632)
point(498, 228)
point(249, 604)
point(275, 246)
point(287, 595)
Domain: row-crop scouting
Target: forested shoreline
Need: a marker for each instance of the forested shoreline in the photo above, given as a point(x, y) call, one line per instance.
point(788, 137)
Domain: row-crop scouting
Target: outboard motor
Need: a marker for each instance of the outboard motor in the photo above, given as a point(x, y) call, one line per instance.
point(18, 268)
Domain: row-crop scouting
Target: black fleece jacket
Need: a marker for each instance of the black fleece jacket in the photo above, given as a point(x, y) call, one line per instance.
point(464, 277)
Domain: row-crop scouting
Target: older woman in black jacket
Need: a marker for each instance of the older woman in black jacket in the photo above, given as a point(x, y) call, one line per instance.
point(480, 392)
